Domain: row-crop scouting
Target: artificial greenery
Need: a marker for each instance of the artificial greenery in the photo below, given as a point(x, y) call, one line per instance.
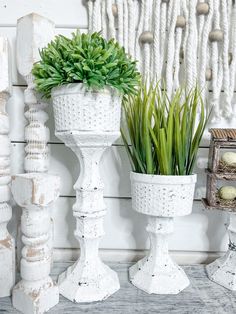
point(165, 133)
point(87, 59)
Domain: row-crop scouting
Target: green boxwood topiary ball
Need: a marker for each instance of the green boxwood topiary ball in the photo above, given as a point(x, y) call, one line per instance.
point(87, 59)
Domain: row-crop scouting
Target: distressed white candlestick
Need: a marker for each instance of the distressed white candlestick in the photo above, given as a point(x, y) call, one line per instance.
point(7, 243)
point(33, 33)
point(161, 198)
point(223, 269)
point(36, 293)
point(88, 123)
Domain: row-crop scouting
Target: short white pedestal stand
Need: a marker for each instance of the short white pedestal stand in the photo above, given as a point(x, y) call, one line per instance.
point(89, 279)
point(223, 269)
point(157, 272)
point(36, 293)
point(161, 198)
point(87, 122)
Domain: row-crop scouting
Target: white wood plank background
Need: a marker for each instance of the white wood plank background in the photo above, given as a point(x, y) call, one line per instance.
point(203, 231)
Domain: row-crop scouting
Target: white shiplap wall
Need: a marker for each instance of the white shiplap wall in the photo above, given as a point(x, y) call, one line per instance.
point(194, 236)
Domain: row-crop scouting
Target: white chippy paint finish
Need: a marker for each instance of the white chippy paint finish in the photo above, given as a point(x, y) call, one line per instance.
point(98, 124)
point(121, 224)
point(7, 243)
point(36, 293)
point(161, 198)
point(223, 269)
point(33, 33)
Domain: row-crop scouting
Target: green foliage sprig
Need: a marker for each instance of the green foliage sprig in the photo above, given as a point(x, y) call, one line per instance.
point(87, 59)
point(165, 133)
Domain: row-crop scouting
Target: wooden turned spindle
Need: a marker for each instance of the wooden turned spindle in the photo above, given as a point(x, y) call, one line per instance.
point(202, 8)
point(33, 33)
point(7, 243)
point(146, 38)
point(216, 35)
point(36, 292)
point(181, 21)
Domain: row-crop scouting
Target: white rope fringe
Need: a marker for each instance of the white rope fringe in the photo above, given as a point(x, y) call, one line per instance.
point(186, 41)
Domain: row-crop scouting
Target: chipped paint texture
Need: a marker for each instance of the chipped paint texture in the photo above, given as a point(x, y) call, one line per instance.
point(161, 198)
point(223, 269)
point(7, 243)
point(33, 33)
point(97, 126)
point(34, 192)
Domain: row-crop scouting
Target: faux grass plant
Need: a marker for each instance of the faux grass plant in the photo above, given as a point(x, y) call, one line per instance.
point(87, 59)
point(165, 133)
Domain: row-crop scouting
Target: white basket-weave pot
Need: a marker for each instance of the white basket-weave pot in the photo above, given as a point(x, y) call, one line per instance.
point(77, 109)
point(161, 198)
point(88, 123)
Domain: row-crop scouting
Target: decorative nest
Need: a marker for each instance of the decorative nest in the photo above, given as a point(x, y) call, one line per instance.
point(224, 168)
point(225, 203)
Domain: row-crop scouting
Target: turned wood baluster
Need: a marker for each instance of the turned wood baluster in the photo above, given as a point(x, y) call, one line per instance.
point(33, 33)
point(7, 243)
point(36, 292)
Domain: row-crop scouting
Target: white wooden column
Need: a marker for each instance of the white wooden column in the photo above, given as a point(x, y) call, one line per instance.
point(7, 243)
point(33, 33)
point(36, 293)
point(223, 269)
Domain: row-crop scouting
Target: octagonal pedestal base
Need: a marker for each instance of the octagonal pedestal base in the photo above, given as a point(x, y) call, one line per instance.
point(82, 285)
point(150, 277)
point(36, 300)
point(223, 270)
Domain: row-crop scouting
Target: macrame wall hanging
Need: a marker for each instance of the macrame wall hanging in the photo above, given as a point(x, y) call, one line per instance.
point(182, 41)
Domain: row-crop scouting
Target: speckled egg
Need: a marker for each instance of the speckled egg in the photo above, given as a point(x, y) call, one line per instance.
point(229, 158)
point(227, 193)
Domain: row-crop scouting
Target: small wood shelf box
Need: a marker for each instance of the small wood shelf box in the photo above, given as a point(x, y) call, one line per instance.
point(220, 139)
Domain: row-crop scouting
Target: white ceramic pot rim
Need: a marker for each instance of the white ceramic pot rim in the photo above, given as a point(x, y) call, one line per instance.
point(163, 179)
point(75, 88)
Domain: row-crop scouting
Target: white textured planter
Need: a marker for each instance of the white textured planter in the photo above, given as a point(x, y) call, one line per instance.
point(161, 198)
point(36, 292)
point(223, 269)
point(88, 123)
